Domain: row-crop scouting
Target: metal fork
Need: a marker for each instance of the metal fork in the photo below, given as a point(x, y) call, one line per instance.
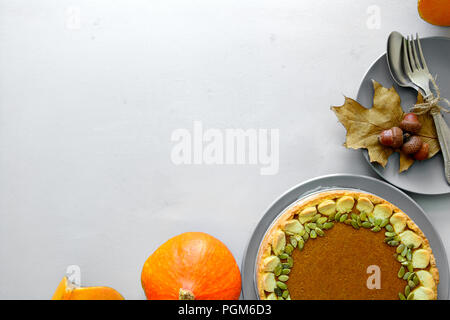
point(416, 69)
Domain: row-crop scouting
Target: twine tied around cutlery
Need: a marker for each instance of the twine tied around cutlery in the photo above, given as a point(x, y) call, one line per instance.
point(432, 103)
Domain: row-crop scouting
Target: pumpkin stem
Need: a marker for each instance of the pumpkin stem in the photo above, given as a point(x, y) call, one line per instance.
point(185, 295)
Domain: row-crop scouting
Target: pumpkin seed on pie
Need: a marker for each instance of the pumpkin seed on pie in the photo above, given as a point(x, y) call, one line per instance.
point(351, 234)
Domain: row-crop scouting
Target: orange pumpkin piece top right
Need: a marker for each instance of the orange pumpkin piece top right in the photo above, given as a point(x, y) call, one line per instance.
point(436, 12)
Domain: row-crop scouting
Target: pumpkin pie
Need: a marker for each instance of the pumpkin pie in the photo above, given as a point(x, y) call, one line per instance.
point(344, 244)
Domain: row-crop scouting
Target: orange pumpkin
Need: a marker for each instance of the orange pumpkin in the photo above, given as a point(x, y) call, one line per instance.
point(66, 290)
point(436, 12)
point(191, 266)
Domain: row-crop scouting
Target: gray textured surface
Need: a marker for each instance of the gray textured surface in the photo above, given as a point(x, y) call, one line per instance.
point(86, 116)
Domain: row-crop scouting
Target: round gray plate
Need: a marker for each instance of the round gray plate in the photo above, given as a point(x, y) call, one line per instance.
point(425, 177)
point(368, 184)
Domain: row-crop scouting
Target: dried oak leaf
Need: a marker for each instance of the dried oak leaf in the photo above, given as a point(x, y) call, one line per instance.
point(364, 125)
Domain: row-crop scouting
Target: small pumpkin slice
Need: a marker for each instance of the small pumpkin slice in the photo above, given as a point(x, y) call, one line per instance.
point(66, 290)
point(364, 205)
point(307, 214)
point(272, 296)
point(278, 242)
point(409, 238)
point(269, 282)
point(382, 211)
point(420, 258)
point(270, 263)
point(63, 290)
point(345, 204)
point(422, 293)
point(327, 207)
point(426, 279)
point(398, 221)
point(293, 226)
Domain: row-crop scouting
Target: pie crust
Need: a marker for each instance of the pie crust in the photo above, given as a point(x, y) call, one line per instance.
point(310, 218)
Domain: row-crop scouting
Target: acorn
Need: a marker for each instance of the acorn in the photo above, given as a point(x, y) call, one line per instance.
point(411, 123)
point(391, 137)
point(413, 145)
point(422, 154)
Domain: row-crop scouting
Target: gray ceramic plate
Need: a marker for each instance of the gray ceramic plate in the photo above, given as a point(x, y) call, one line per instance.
point(426, 177)
point(345, 181)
